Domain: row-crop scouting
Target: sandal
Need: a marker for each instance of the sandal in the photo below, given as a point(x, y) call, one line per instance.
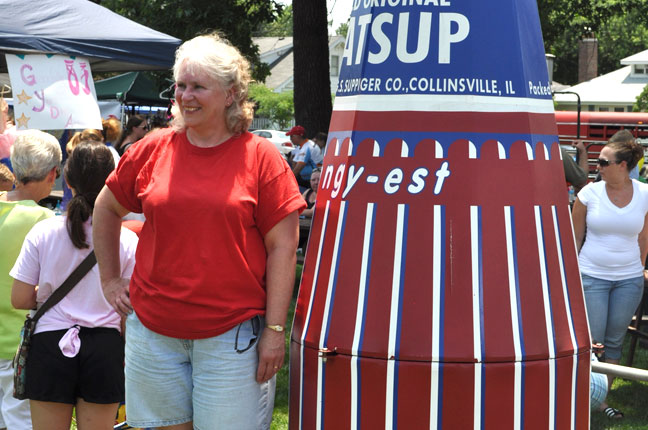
point(612, 413)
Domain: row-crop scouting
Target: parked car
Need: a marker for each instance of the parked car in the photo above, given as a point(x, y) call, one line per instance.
point(278, 138)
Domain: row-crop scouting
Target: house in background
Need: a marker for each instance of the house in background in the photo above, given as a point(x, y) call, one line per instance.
point(614, 92)
point(277, 53)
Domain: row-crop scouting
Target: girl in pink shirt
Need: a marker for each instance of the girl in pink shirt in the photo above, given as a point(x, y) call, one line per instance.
point(77, 352)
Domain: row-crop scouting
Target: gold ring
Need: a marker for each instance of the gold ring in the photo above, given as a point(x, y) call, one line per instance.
point(275, 368)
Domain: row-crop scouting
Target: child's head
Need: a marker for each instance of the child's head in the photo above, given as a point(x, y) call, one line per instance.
point(6, 178)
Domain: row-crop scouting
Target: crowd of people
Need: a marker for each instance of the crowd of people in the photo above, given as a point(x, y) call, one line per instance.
point(217, 336)
point(35, 257)
point(184, 348)
point(187, 348)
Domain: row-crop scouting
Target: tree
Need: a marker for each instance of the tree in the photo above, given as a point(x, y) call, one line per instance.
point(641, 105)
point(620, 37)
point(312, 81)
point(282, 26)
point(278, 107)
point(185, 19)
point(619, 26)
point(343, 29)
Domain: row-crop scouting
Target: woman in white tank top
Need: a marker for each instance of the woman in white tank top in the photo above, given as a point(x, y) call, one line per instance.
point(612, 238)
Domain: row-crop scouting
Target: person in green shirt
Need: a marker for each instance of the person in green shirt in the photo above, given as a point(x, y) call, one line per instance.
point(36, 160)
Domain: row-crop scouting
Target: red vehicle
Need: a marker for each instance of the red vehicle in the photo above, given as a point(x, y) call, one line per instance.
point(596, 128)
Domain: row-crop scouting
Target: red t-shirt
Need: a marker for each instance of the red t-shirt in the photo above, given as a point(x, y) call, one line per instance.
point(201, 259)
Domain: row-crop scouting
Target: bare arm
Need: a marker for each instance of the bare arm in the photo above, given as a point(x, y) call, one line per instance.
point(298, 167)
point(579, 213)
point(281, 246)
point(308, 213)
point(582, 155)
point(643, 241)
point(582, 161)
point(106, 226)
point(23, 295)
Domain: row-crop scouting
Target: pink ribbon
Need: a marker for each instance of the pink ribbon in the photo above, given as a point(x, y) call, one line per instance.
point(70, 344)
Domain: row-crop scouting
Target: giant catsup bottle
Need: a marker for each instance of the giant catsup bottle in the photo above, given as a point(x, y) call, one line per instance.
point(441, 285)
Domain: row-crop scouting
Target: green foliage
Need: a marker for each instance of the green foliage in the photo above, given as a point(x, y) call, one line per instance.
point(282, 26)
point(621, 37)
point(343, 29)
point(185, 19)
point(278, 107)
point(641, 105)
point(619, 25)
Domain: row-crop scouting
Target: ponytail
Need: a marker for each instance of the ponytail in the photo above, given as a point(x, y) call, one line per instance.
point(78, 212)
point(85, 172)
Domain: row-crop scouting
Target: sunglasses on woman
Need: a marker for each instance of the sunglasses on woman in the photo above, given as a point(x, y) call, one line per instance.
point(603, 162)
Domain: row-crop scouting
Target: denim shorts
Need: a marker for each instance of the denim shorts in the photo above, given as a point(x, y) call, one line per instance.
point(172, 381)
point(610, 307)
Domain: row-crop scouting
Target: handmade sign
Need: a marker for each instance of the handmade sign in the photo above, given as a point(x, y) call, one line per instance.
point(441, 285)
point(53, 92)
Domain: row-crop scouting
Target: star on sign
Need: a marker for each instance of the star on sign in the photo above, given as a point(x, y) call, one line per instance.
point(23, 97)
point(23, 121)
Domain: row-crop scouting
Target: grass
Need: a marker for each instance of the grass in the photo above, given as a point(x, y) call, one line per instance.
point(631, 397)
point(280, 414)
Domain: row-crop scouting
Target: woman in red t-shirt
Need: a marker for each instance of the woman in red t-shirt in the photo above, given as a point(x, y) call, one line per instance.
point(207, 303)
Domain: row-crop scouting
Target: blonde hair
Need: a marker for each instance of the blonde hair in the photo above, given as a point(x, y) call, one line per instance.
point(225, 64)
point(34, 154)
point(92, 134)
point(87, 135)
point(112, 130)
point(6, 177)
point(73, 142)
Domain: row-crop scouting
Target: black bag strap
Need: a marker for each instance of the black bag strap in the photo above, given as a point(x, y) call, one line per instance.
point(67, 285)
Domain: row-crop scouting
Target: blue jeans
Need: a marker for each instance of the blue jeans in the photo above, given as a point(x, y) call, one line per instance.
point(172, 381)
point(610, 307)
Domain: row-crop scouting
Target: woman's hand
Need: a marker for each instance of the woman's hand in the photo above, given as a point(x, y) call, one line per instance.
point(116, 293)
point(271, 352)
point(106, 227)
